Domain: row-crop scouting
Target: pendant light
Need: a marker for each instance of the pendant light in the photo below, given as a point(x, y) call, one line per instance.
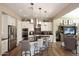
point(39, 21)
point(45, 16)
point(32, 13)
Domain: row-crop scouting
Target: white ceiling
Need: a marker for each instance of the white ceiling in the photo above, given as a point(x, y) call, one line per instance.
point(74, 13)
point(24, 9)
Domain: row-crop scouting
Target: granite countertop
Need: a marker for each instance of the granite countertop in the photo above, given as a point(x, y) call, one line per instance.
point(31, 39)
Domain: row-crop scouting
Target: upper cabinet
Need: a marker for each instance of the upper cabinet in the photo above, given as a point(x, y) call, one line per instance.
point(46, 26)
point(4, 25)
point(5, 21)
point(28, 25)
point(25, 24)
point(11, 21)
point(31, 27)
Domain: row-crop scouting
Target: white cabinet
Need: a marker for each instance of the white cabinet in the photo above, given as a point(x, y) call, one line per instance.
point(5, 21)
point(28, 25)
point(25, 24)
point(11, 20)
point(46, 26)
point(31, 27)
point(4, 46)
point(4, 26)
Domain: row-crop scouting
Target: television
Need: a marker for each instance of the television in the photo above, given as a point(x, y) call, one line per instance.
point(70, 30)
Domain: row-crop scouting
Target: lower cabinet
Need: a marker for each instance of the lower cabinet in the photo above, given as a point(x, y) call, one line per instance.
point(4, 46)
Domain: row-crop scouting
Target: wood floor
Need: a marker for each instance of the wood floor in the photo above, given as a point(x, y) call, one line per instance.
point(55, 49)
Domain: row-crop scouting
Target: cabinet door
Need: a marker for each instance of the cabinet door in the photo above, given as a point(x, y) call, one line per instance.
point(4, 46)
point(46, 26)
point(11, 20)
point(25, 25)
point(4, 26)
point(31, 27)
point(49, 26)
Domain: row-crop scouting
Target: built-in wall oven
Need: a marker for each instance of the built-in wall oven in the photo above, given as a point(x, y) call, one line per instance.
point(25, 33)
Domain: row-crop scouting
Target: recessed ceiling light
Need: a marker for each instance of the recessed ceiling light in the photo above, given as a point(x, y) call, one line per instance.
point(32, 3)
point(31, 20)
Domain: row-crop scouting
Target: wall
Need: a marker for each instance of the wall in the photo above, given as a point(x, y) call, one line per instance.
point(56, 18)
point(56, 23)
point(6, 20)
point(0, 32)
point(19, 31)
point(10, 21)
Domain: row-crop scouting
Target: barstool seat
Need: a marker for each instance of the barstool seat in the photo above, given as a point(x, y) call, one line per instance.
point(36, 48)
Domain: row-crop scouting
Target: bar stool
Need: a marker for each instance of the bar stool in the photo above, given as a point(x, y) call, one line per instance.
point(25, 45)
point(46, 44)
point(36, 48)
point(41, 45)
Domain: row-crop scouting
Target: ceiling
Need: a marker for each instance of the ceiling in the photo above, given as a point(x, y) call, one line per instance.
point(25, 11)
point(74, 13)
